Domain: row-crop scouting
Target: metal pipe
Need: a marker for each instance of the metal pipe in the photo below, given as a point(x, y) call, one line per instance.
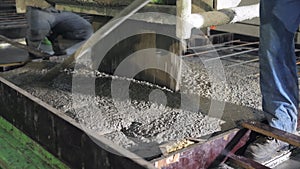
point(184, 11)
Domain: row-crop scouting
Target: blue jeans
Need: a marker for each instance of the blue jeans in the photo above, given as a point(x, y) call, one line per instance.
point(278, 70)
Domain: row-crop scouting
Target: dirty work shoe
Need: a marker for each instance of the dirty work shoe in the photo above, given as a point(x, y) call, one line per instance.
point(265, 149)
point(57, 50)
point(59, 53)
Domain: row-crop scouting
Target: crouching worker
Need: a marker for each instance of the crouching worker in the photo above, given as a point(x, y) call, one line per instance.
point(46, 26)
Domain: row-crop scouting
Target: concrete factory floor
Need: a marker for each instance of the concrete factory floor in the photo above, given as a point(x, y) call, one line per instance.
point(152, 116)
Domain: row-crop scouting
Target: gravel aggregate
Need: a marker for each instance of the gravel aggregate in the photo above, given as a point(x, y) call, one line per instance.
point(152, 115)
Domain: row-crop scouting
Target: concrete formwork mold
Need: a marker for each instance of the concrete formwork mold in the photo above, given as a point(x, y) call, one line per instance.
point(59, 134)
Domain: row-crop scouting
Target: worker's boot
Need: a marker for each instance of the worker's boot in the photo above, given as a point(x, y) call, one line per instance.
point(55, 46)
point(265, 149)
point(32, 44)
point(57, 50)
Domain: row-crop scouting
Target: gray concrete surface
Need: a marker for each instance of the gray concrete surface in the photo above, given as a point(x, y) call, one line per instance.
point(152, 116)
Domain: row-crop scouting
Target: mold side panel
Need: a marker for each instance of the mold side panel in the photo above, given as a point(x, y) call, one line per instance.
point(58, 133)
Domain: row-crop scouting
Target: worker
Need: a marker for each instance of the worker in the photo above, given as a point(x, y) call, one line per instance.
point(50, 24)
point(279, 21)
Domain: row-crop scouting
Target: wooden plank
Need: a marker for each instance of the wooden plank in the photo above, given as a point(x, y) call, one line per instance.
point(103, 11)
point(242, 142)
point(238, 141)
point(113, 11)
point(95, 2)
point(20, 6)
point(272, 132)
point(246, 163)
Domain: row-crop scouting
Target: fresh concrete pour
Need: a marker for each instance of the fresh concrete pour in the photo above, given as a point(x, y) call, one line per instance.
point(152, 116)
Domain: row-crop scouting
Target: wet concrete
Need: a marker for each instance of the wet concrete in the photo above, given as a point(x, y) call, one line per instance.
point(240, 85)
point(152, 115)
point(135, 124)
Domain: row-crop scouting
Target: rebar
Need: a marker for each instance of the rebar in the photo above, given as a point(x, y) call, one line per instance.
point(219, 49)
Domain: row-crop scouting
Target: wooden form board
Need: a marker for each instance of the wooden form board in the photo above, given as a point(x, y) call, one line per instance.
point(22, 4)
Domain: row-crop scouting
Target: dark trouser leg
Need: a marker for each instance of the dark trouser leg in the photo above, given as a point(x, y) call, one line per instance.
point(278, 71)
point(74, 39)
point(38, 27)
point(55, 44)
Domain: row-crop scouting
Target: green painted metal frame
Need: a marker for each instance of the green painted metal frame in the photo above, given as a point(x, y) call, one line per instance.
point(19, 151)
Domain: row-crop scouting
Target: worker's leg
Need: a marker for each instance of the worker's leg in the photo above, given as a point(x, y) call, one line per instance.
point(38, 27)
point(53, 37)
point(38, 24)
point(73, 28)
point(70, 41)
point(278, 71)
point(278, 82)
point(78, 37)
point(80, 34)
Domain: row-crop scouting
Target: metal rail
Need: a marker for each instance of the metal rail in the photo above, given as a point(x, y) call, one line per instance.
point(213, 45)
point(232, 54)
point(242, 63)
point(220, 49)
point(256, 60)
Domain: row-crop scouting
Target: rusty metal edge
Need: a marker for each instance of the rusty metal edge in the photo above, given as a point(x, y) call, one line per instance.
point(246, 163)
point(61, 135)
point(200, 155)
